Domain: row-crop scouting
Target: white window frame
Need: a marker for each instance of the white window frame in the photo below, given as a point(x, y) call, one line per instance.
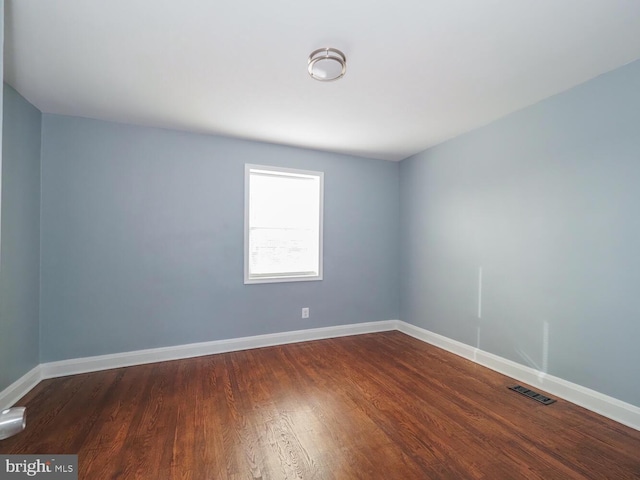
point(293, 276)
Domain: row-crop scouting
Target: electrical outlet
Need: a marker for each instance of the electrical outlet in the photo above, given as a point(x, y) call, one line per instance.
point(305, 312)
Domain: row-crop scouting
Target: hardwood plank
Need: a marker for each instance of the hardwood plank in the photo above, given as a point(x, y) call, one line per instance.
point(381, 405)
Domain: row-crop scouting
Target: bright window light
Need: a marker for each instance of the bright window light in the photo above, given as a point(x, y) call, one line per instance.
point(283, 224)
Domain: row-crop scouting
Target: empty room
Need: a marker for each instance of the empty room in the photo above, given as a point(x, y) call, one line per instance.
point(345, 240)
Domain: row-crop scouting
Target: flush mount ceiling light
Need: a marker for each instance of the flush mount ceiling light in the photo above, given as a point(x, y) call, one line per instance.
point(327, 64)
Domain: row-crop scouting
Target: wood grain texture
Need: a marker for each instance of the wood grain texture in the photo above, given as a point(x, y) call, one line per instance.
point(376, 406)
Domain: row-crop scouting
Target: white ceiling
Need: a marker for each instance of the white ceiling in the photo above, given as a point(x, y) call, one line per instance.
point(419, 71)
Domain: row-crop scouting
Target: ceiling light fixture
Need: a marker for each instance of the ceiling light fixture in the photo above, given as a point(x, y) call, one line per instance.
point(327, 64)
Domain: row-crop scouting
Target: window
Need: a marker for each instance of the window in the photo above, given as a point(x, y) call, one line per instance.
point(282, 224)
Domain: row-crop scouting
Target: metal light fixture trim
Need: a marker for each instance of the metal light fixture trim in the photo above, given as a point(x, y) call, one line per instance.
point(323, 55)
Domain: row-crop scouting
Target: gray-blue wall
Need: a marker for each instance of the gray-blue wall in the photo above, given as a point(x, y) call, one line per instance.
point(142, 240)
point(547, 202)
point(20, 259)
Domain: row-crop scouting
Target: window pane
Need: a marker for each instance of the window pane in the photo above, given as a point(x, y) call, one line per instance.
point(284, 202)
point(283, 234)
point(283, 250)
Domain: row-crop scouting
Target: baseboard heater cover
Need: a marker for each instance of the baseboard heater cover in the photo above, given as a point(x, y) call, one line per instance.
point(531, 394)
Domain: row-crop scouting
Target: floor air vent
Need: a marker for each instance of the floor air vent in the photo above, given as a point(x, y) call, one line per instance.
point(531, 394)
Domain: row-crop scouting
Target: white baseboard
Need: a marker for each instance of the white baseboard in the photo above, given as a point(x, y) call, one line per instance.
point(607, 406)
point(610, 407)
point(18, 389)
point(139, 357)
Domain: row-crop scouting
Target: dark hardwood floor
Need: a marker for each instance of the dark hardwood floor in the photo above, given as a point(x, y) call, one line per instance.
point(377, 406)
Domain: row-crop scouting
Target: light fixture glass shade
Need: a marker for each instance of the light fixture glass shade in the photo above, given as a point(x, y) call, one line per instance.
point(327, 64)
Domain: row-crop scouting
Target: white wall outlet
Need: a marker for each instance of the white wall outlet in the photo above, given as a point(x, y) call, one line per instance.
point(305, 312)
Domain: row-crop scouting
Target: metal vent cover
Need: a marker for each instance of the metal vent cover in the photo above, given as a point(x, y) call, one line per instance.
point(531, 394)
